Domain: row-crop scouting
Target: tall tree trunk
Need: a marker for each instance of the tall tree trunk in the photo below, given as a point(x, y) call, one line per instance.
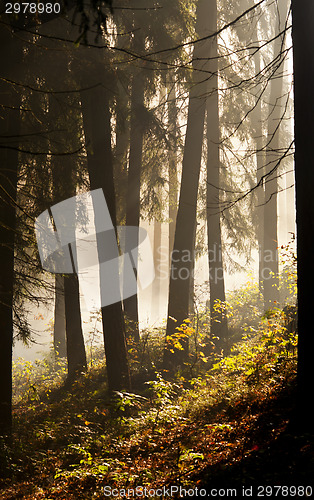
point(10, 54)
point(59, 327)
point(75, 347)
point(303, 40)
point(218, 319)
point(134, 179)
point(121, 153)
point(260, 161)
point(270, 252)
point(64, 187)
point(96, 118)
point(179, 288)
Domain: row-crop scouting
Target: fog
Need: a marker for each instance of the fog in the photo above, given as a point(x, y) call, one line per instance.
point(152, 307)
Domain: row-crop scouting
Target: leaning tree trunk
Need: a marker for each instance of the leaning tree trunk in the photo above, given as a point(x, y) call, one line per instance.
point(303, 39)
point(179, 287)
point(97, 129)
point(270, 269)
point(9, 132)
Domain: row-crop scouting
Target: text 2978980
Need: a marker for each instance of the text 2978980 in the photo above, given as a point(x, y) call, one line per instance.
point(284, 491)
point(32, 8)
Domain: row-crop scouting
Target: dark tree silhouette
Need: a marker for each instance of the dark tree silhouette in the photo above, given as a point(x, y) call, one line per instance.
point(96, 118)
point(303, 41)
point(10, 55)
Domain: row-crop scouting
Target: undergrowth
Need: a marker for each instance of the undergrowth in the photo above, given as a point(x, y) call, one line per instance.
point(71, 442)
point(224, 417)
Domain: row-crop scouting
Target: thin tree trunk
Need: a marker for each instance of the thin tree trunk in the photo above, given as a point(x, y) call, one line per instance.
point(156, 287)
point(270, 252)
point(260, 161)
point(121, 153)
point(173, 173)
point(134, 182)
point(59, 327)
point(192, 279)
point(303, 40)
point(179, 288)
point(96, 118)
point(218, 319)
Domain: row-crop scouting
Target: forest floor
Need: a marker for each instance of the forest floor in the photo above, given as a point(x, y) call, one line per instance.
point(224, 429)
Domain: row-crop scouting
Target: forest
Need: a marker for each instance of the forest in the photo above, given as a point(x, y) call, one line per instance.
point(156, 239)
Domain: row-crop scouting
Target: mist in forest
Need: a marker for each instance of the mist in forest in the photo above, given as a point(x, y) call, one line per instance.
point(156, 281)
point(153, 300)
point(203, 163)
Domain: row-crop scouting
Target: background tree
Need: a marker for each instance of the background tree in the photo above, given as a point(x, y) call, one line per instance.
point(218, 318)
point(179, 287)
point(59, 338)
point(152, 29)
point(273, 155)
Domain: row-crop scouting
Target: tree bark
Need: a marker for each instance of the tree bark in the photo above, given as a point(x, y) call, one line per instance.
point(74, 335)
point(96, 118)
point(270, 270)
point(11, 56)
point(156, 286)
point(173, 171)
point(218, 319)
point(75, 346)
point(121, 153)
point(260, 162)
point(134, 180)
point(64, 187)
point(59, 327)
point(179, 288)
point(303, 40)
